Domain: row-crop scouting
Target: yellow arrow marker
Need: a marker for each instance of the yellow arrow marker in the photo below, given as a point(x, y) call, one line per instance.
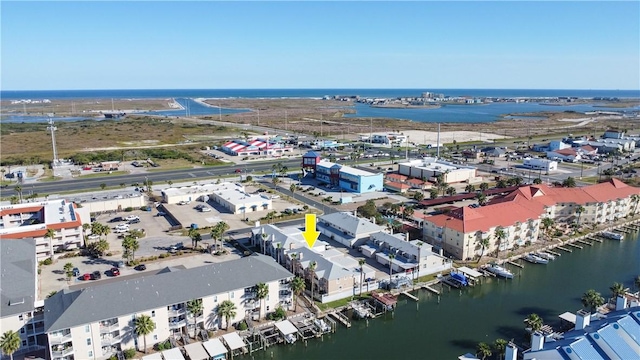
point(310, 233)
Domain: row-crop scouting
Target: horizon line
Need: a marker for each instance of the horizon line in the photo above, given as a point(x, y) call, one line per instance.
point(322, 88)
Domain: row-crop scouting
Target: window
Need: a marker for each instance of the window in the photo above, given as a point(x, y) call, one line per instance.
point(215, 298)
point(87, 328)
point(88, 341)
point(90, 354)
point(22, 330)
point(155, 337)
point(231, 296)
point(153, 313)
point(20, 317)
point(24, 342)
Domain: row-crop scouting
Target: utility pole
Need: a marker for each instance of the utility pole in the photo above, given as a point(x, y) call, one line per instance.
point(220, 111)
point(438, 144)
point(285, 121)
point(371, 132)
point(53, 129)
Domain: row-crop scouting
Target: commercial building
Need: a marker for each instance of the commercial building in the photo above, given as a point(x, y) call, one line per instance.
point(33, 220)
point(540, 164)
point(413, 257)
point(230, 196)
point(360, 181)
point(255, 147)
point(337, 275)
point(95, 322)
point(430, 168)
point(346, 228)
point(390, 138)
point(111, 200)
point(21, 311)
point(518, 216)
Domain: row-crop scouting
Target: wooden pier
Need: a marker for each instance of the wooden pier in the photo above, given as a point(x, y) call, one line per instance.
point(575, 246)
point(564, 249)
point(584, 242)
point(553, 253)
point(412, 297)
point(341, 318)
point(515, 264)
point(596, 238)
point(431, 289)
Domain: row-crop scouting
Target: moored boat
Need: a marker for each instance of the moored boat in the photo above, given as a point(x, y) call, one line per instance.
point(535, 259)
point(458, 278)
point(546, 255)
point(322, 325)
point(612, 235)
point(500, 271)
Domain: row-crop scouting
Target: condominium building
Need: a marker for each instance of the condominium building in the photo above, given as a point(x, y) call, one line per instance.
point(95, 322)
point(460, 233)
point(33, 220)
point(346, 228)
point(21, 311)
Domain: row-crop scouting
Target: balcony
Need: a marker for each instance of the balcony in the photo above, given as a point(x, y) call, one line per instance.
point(250, 295)
point(177, 324)
point(175, 311)
point(62, 352)
point(108, 327)
point(110, 340)
point(60, 339)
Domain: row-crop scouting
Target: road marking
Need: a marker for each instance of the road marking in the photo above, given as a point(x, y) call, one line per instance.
point(192, 175)
point(210, 173)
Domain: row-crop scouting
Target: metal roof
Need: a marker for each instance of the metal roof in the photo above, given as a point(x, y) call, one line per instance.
point(68, 308)
point(18, 284)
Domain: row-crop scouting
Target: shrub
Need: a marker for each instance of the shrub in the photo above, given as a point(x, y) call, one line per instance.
point(306, 207)
point(129, 353)
point(242, 325)
point(163, 255)
point(128, 209)
point(47, 261)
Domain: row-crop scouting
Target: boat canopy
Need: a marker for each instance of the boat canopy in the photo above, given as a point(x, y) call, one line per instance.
point(234, 341)
point(214, 347)
point(286, 327)
point(568, 316)
point(195, 351)
point(469, 272)
point(173, 354)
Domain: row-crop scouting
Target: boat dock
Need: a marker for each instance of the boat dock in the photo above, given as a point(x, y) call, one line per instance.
point(515, 264)
point(584, 242)
point(431, 289)
point(412, 297)
point(341, 318)
point(564, 249)
point(575, 246)
point(595, 238)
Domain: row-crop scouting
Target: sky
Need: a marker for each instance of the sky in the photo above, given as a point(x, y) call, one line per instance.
point(78, 45)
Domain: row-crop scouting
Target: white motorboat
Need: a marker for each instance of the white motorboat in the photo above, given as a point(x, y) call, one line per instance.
point(500, 271)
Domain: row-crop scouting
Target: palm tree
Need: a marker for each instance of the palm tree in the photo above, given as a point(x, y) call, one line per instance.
point(85, 227)
point(579, 210)
point(278, 250)
point(483, 350)
point(537, 181)
point(407, 211)
point(534, 321)
point(293, 188)
point(195, 236)
point(227, 309)
point(130, 245)
point(10, 342)
point(105, 231)
point(450, 191)
point(617, 289)
point(499, 346)
point(294, 257)
point(484, 186)
point(470, 188)
point(18, 189)
point(500, 235)
point(50, 235)
point(547, 224)
point(482, 199)
point(217, 232)
point(501, 184)
point(143, 325)
point(68, 270)
point(261, 294)
point(194, 307)
point(484, 242)
point(635, 198)
point(391, 257)
point(312, 274)
point(592, 300)
point(361, 262)
point(297, 287)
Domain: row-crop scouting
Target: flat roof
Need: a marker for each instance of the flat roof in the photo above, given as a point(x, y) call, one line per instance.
point(286, 327)
point(234, 341)
point(195, 351)
point(468, 271)
point(353, 171)
point(568, 316)
point(154, 356)
point(202, 189)
point(173, 354)
point(215, 347)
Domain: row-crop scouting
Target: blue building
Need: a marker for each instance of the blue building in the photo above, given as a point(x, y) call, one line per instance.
point(328, 172)
point(348, 178)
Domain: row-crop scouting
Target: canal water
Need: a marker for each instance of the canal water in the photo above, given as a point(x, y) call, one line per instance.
point(454, 325)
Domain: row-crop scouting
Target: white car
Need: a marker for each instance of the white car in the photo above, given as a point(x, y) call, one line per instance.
point(120, 230)
point(123, 226)
point(93, 237)
point(132, 217)
point(183, 202)
point(205, 209)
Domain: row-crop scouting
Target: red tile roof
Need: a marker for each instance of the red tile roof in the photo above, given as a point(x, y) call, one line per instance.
point(566, 152)
point(20, 210)
point(396, 185)
point(397, 177)
point(416, 182)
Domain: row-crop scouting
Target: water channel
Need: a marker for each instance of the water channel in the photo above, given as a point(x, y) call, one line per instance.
point(429, 329)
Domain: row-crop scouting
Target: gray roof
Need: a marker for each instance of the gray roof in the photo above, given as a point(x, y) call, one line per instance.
point(18, 281)
point(106, 301)
point(348, 222)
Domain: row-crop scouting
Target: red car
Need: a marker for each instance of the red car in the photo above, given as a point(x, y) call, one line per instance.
point(87, 168)
point(238, 171)
point(86, 277)
point(115, 271)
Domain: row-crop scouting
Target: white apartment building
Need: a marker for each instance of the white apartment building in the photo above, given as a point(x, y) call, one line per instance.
point(430, 168)
point(32, 220)
point(230, 196)
point(95, 322)
point(346, 228)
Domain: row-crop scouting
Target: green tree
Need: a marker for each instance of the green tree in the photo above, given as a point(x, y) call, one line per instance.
point(194, 307)
point(470, 188)
point(130, 245)
point(483, 350)
point(579, 210)
point(534, 321)
point(433, 193)
point(50, 234)
point(537, 181)
point(51, 294)
point(407, 211)
point(85, 227)
point(482, 199)
point(592, 300)
point(98, 248)
point(617, 289)
point(227, 310)
point(103, 185)
point(361, 263)
point(143, 325)
point(499, 346)
point(547, 224)
point(368, 210)
point(484, 186)
point(68, 270)
point(501, 184)
point(312, 275)
point(515, 181)
point(10, 342)
point(450, 191)
point(500, 235)
point(293, 188)
point(261, 293)
point(195, 236)
point(18, 189)
point(569, 182)
point(217, 232)
point(297, 287)
point(418, 196)
point(484, 243)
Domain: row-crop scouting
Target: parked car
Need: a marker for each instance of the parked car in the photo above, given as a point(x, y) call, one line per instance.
point(120, 230)
point(76, 272)
point(116, 219)
point(96, 275)
point(132, 217)
point(184, 202)
point(86, 277)
point(115, 271)
point(141, 267)
point(161, 213)
point(238, 171)
point(205, 209)
point(134, 221)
